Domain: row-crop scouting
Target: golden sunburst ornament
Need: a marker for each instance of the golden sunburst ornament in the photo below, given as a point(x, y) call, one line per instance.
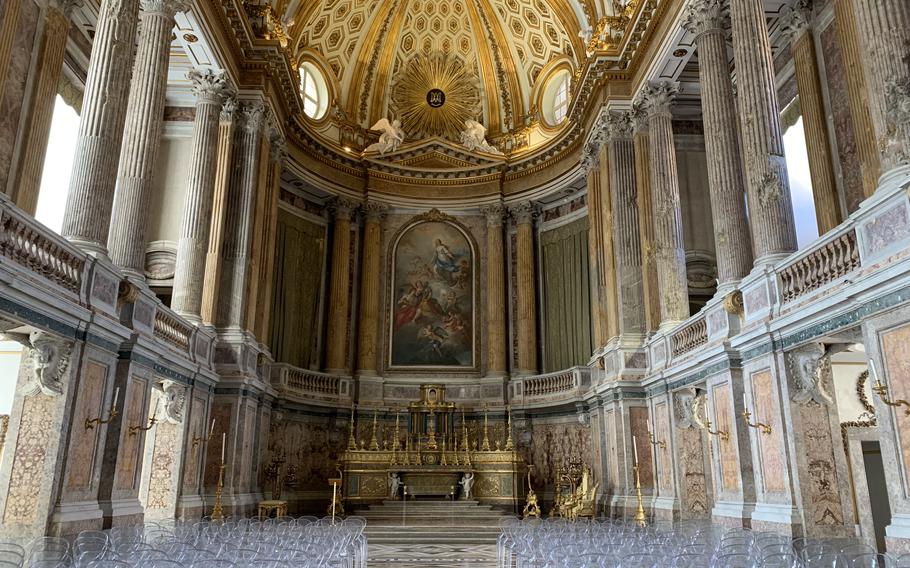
point(434, 95)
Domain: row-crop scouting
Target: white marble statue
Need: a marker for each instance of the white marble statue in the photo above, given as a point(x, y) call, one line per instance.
point(467, 482)
point(394, 485)
point(391, 138)
point(474, 137)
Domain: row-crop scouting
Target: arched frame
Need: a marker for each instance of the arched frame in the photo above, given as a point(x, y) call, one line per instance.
point(434, 295)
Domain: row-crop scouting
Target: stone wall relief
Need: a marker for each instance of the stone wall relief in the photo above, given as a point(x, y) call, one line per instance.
point(689, 447)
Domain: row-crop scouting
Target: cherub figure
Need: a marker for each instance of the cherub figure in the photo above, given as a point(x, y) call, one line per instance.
point(391, 138)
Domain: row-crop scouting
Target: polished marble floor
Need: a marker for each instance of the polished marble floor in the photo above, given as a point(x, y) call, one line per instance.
point(432, 555)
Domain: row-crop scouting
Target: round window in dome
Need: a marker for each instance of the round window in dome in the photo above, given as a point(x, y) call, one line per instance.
point(314, 90)
point(555, 99)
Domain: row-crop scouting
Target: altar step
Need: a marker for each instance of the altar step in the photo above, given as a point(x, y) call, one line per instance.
point(432, 533)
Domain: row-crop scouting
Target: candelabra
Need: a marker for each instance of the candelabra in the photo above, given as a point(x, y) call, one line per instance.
point(510, 444)
point(485, 445)
point(136, 429)
point(763, 428)
point(662, 444)
point(206, 439)
point(640, 516)
point(374, 444)
point(217, 513)
point(719, 433)
point(352, 441)
point(882, 392)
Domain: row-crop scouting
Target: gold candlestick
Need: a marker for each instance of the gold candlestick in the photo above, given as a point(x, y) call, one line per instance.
point(374, 444)
point(217, 513)
point(352, 441)
point(485, 446)
point(431, 431)
point(640, 516)
point(510, 445)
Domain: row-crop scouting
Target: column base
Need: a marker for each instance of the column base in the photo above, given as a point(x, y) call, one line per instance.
point(666, 508)
point(732, 514)
point(71, 518)
point(782, 519)
point(190, 507)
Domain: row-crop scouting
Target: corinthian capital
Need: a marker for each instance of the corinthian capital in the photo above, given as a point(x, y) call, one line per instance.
point(619, 126)
point(252, 116)
point(657, 96)
point(209, 86)
point(165, 7)
point(795, 22)
point(66, 6)
point(278, 149)
point(343, 207)
point(374, 210)
point(523, 212)
point(703, 16)
point(494, 213)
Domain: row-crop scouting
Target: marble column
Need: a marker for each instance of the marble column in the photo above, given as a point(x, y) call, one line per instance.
point(767, 184)
point(368, 338)
point(497, 307)
point(669, 255)
point(210, 89)
point(142, 136)
point(526, 300)
point(885, 35)
point(595, 255)
point(224, 155)
point(48, 65)
point(340, 297)
point(277, 156)
point(650, 288)
point(238, 218)
point(725, 168)
point(91, 192)
point(857, 97)
point(821, 164)
point(626, 233)
point(609, 298)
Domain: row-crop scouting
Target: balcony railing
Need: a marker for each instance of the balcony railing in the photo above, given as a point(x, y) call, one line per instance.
point(820, 266)
point(171, 328)
point(691, 336)
point(560, 385)
point(35, 247)
point(310, 385)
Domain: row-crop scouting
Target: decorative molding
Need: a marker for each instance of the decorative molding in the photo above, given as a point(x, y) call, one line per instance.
point(809, 368)
point(174, 395)
point(209, 86)
point(733, 303)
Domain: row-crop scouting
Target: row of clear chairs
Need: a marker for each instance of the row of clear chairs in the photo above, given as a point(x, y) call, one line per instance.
point(285, 542)
point(557, 543)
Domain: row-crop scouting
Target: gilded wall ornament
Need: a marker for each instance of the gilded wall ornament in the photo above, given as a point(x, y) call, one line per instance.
point(434, 95)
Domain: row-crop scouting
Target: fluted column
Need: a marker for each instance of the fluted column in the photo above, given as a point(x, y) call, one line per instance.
point(863, 131)
point(142, 136)
point(669, 255)
point(609, 298)
point(223, 159)
point(732, 239)
point(885, 36)
point(595, 255)
point(626, 234)
point(770, 208)
point(277, 157)
point(496, 292)
point(650, 287)
point(233, 295)
point(368, 338)
point(48, 65)
point(526, 300)
point(189, 275)
point(91, 192)
point(339, 299)
point(821, 164)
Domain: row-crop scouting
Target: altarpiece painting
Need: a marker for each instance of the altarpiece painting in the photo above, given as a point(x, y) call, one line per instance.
point(433, 294)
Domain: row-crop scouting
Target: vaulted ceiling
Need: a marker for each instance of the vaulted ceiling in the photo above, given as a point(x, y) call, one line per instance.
point(375, 49)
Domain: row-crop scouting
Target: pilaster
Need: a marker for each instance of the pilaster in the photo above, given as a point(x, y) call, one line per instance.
point(371, 263)
point(526, 301)
point(340, 295)
point(496, 291)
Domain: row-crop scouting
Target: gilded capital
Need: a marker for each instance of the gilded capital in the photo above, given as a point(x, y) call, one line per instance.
point(494, 213)
point(703, 16)
point(209, 86)
point(374, 211)
point(658, 95)
point(523, 212)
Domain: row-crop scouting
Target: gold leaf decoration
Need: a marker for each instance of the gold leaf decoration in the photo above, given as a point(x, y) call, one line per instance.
point(423, 73)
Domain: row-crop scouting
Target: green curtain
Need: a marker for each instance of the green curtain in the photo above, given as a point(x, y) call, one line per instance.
point(299, 257)
point(566, 296)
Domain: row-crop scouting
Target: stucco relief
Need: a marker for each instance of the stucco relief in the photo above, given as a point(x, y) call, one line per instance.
point(694, 492)
point(770, 446)
point(163, 467)
point(552, 444)
point(824, 499)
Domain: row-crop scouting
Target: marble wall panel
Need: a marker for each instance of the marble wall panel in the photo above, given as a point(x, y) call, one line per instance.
point(896, 358)
point(128, 461)
point(664, 454)
point(80, 465)
point(770, 447)
point(244, 464)
point(638, 424)
point(164, 464)
point(28, 471)
point(612, 448)
point(222, 413)
point(729, 457)
point(198, 429)
point(554, 443)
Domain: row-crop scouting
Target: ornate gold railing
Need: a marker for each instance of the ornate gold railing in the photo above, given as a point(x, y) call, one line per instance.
point(691, 336)
point(169, 327)
point(33, 246)
point(819, 266)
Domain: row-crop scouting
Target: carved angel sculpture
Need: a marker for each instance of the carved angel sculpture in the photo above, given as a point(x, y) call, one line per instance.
point(474, 137)
point(391, 138)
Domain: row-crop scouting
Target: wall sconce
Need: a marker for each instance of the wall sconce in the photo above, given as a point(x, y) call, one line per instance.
point(152, 421)
point(206, 439)
point(705, 424)
point(763, 428)
point(882, 391)
point(719, 433)
point(662, 444)
point(91, 422)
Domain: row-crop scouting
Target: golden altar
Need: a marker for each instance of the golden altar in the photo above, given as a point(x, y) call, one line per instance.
point(431, 455)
